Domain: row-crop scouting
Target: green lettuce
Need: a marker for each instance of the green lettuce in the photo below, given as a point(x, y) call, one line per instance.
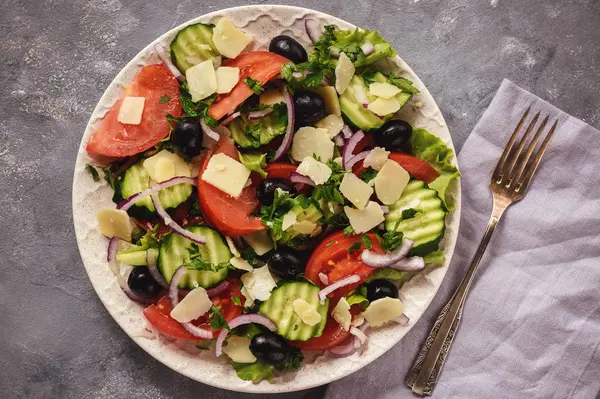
point(253, 161)
point(431, 149)
point(387, 274)
point(350, 42)
point(435, 258)
point(255, 372)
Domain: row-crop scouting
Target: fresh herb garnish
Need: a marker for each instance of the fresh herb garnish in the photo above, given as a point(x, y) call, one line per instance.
point(93, 172)
point(196, 262)
point(236, 300)
point(366, 241)
point(293, 361)
point(254, 85)
point(330, 191)
point(198, 109)
point(348, 231)
point(391, 238)
point(164, 99)
point(408, 213)
point(354, 247)
point(218, 321)
point(368, 174)
point(250, 256)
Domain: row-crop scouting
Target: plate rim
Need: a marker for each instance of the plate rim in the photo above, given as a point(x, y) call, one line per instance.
point(262, 387)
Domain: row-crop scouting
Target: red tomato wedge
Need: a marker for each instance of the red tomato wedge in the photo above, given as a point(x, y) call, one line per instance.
point(231, 216)
point(113, 139)
point(280, 170)
point(333, 335)
point(415, 167)
point(261, 66)
point(159, 315)
point(332, 258)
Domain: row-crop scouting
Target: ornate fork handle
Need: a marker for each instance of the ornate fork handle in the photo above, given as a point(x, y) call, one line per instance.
point(426, 369)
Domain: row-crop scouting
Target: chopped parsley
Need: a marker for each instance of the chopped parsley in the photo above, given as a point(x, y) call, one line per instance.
point(164, 99)
point(254, 85)
point(368, 174)
point(93, 172)
point(218, 321)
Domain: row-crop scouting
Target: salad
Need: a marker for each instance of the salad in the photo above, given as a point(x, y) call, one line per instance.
point(269, 203)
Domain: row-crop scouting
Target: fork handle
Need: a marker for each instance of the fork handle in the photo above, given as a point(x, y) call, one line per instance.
point(425, 371)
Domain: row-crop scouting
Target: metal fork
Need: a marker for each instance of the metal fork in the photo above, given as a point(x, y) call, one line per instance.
point(510, 181)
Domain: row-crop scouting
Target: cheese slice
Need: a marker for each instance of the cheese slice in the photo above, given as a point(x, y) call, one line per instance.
point(227, 78)
point(355, 190)
point(131, 110)
point(165, 165)
point(228, 39)
point(241, 264)
point(238, 349)
point(344, 71)
point(332, 123)
point(192, 306)
point(390, 182)
point(309, 141)
point(383, 90)
point(271, 97)
point(364, 219)
point(258, 284)
point(114, 223)
point(383, 310)
point(307, 313)
point(201, 80)
point(288, 220)
point(260, 242)
point(304, 227)
point(332, 101)
point(318, 172)
point(226, 174)
point(376, 158)
point(341, 314)
point(383, 106)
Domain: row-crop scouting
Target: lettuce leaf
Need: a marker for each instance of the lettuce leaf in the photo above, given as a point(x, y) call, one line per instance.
point(255, 372)
point(350, 42)
point(431, 149)
point(253, 161)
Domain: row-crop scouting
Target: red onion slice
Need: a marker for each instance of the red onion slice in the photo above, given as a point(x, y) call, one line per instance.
point(129, 202)
point(384, 209)
point(389, 258)
point(353, 278)
point(339, 140)
point(412, 264)
point(167, 61)
point(296, 177)
point(289, 132)
point(351, 146)
point(218, 289)
point(367, 48)
point(347, 132)
point(346, 348)
point(208, 131)
point(356, 158)
point(259, 114)
point(362, 337)
point(238, 321)
point(403, 320)
point(115, 268)
point(323, 278)
point(169, 222)
point(313, 29)
point(226, 122)
point(151, 255)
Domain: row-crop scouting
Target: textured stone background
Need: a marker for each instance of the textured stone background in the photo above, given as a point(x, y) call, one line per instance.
point(58, 56)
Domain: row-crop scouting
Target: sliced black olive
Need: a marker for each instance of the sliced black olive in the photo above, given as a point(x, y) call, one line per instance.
point(393, 135)
point(378, 289)
point(309, 108)
point(142, 284)
point(289, 48)
point(266, 190)
point(287, 264)
point(188, 136)
point(270, 348)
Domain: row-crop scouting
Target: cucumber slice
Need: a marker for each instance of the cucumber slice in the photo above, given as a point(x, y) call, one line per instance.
point(136, 179)
point(280, 310)
point(174, 252)
point(427, 227)
point(193, 41)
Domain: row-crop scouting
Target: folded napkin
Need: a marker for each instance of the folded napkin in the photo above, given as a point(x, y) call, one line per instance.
point(531, 325)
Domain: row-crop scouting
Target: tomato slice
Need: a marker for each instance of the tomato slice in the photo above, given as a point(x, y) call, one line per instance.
point(280, 170)
point(231, 216)
point(159, 315)
point(261, 66)
point(365, 142)
point(113, 139)
point(332, 258)
point(415, 167)
point(333, 335)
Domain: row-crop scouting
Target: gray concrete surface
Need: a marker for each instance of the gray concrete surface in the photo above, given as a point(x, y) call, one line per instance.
point(58, 56)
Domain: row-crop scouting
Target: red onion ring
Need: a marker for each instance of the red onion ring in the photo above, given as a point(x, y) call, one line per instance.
point(238, 321)
point(356, 158)
point(167, 61)
point(115, 268)
point(169, 222)
point(218, 289)
point(367, 48)
point(384, 209)
point(227, 121)
point(259, 114)
point(353, 278)
point(289, 132)
point(346, 348)
point(129, 202)
point(403, 320)
point(347, 132)
point(151, 256)
point(313, 30)
point(323, 278)
point(389, 258)
point(412, 264)
point(339, 140)
point(296, 177)
point(361, 337)
point(208, 131)
point(351, 146)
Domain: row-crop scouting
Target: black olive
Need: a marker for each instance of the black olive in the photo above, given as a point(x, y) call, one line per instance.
point(393, 135)
point(188, 136)
point(288, 48)
point(309, 108)
point(141, 282)
point(287, 264)
point(266, 190)
point(378, 289)
point(270, 348)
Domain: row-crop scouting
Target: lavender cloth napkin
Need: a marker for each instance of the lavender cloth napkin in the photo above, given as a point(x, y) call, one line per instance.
point(531, 325)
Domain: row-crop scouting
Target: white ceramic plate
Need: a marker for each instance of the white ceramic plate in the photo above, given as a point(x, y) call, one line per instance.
point(262, 22)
